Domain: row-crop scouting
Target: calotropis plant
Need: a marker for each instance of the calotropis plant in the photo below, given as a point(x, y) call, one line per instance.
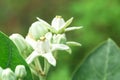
point(43, 40)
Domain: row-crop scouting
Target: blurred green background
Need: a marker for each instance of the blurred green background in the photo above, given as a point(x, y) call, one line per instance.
point(100, 19)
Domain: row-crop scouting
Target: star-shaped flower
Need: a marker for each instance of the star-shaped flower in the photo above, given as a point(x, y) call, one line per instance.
point(44, 48)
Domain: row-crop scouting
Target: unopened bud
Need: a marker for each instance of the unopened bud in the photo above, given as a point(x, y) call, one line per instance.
point(8, 74)
point(23, 47)
point(37, 30)
point(20, 71)
point(58, 23)
point(59, 38)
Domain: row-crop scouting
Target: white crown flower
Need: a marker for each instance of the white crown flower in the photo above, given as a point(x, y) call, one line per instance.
point(58, 25)
point(42, 40)
point(44, 48)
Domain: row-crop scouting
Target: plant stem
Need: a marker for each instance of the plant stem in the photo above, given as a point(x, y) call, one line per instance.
point(38, 65)
point(46, 66)
point(42, 77)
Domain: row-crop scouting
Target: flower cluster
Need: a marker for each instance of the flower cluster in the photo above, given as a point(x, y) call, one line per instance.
point(8, 74)
point(44, 39)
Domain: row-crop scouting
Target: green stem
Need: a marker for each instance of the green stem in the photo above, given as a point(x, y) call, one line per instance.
point(38, 65)
point(39, 70)
point(42, 78)
point(46, 66)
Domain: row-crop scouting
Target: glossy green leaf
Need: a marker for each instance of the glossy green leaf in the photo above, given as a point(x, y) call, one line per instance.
point(10, 57)
point(102, 64)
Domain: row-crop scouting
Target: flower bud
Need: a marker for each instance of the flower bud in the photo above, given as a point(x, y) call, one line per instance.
point(59, 38)
point(20, 71)
point(8, 74)
point(23, 47)
point(37, 30)
point(60, 25)
point(58, 22)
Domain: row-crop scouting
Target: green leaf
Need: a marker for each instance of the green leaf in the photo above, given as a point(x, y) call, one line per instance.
point(102, 64)
point(10, 57)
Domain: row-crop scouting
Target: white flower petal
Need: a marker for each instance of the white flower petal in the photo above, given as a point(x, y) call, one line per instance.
point(61, 47)
point(72, 28)
point(52, 29)
point(32, 56)
point(31, 41)
point(57, 22)
point(72, 43)
point(43, 46)
point(44, 22)
point(50, 58)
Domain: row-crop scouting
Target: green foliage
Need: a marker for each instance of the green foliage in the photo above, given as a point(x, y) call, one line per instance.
point(10, 57)
point(99, 18)
point(102, 64)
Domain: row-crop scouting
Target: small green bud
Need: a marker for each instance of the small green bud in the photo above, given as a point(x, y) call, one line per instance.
point(37, 30)
point(20, 71)
point(8, 74)
point(23, 47)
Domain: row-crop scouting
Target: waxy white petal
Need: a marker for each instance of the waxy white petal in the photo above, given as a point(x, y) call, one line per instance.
point(50, 58)
point(72, 43)
point(52, 29)
point(32, 56)
point(43, 22)
point(72, 28)
point(43, 46)
point(61, 47)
